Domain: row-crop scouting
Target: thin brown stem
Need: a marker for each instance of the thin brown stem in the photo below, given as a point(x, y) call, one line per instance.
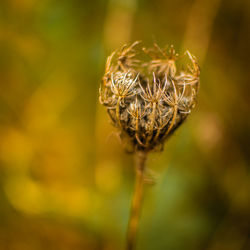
point(117, 111)
point(140, 158)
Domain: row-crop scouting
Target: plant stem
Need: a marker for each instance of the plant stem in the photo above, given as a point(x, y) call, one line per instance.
point(140, 159)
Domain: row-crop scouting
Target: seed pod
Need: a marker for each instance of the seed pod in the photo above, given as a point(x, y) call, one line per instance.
point(147, 95)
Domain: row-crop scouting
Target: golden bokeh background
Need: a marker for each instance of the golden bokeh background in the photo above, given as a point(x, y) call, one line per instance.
point(65, 181)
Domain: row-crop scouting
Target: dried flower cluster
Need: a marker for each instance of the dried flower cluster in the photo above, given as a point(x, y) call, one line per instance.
point(148, 93)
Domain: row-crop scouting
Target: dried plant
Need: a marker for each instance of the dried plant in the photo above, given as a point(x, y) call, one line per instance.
point(147, 97)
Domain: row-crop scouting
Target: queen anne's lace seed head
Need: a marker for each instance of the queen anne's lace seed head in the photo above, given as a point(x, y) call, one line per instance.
point(147, 99)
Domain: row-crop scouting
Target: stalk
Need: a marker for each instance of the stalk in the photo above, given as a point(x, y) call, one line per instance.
point(140, 159)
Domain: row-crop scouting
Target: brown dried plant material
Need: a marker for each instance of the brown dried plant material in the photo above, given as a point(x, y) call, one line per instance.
point(147, 95)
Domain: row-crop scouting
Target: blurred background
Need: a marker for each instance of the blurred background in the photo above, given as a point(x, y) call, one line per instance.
point(65, 181)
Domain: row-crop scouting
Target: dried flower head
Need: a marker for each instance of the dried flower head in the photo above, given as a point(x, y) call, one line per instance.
point(148, 93)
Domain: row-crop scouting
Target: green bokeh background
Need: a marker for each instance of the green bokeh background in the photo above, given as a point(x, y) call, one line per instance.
point(65, 181)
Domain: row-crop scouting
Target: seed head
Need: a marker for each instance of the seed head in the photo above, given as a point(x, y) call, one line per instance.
point(147, 95)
